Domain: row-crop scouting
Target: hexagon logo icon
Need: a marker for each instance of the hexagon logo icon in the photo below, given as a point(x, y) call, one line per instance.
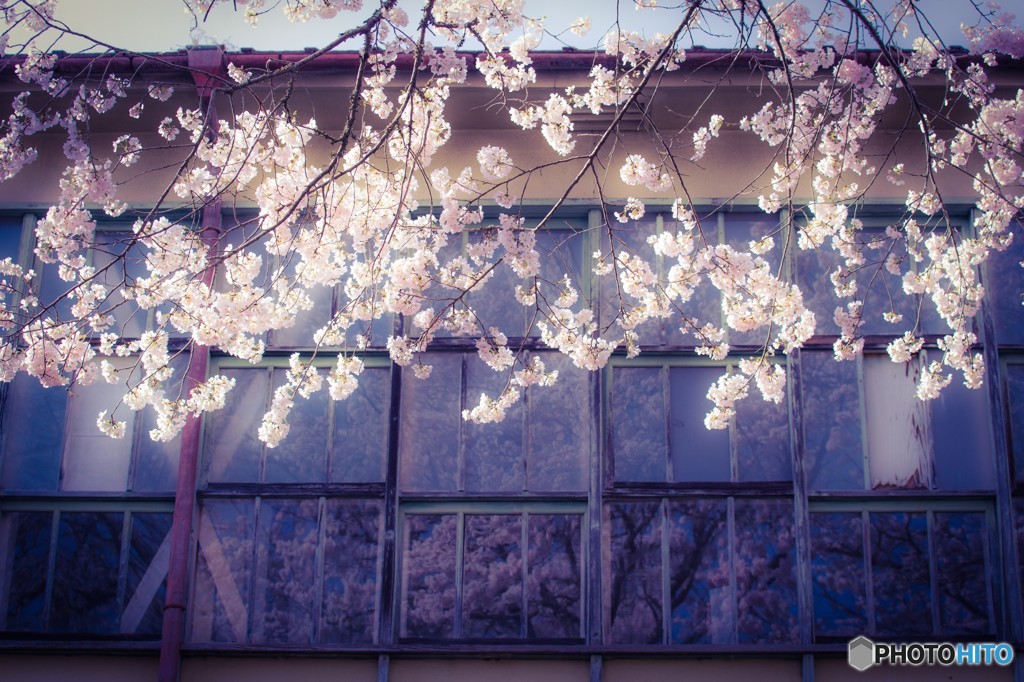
point(861, 655)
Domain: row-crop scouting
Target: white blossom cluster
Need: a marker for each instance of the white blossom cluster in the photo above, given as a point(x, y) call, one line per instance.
point(372, 212)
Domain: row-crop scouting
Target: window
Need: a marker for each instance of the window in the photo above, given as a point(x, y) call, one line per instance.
point(290, 538)
point(902, 572)
point(887, 438)
point(493, 575)
point(658, 434)
point(562, 245)
point(51, 441)
point(287, 570)
point(328, 441)
point(700, 570)
point(541, 446)
point(706, 305)
point(878, 288)
point(73, 571)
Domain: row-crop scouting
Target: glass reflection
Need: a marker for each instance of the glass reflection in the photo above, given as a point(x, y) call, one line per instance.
point(766, 599)
point(361, 429)
point(25, 538)
point(351, 558)
point(86, 572)
point(302, 456)
point(492, 575)
point(559, 429)
point(762, 440)
point(429, 575)
point(149, 532)
point(699, 579)
point(1003, 287)
point(33, 434)
point(900, 573)
point(1015, 393)
point(963, 569)
point(638, 438)
point(431, 426)
point(834, 450)
point(285, 603)
point(961, 436)
point(554, 582)
point(493, 452)
point(633, 599)
point(220, 611)
point(232, 447)
point(837, 571)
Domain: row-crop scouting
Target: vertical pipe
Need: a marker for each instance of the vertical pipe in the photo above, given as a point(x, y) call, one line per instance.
point(185, 490)
point(203, 63)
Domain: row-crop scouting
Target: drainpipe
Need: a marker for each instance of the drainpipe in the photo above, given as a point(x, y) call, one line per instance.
point(204, 63)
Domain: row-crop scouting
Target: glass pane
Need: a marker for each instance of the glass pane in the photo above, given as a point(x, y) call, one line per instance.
point(220, 595)
point(638, 437)
point(118, 265)
point(53, 293)
point(705, 305)
point(900, 575)
point(285, 604)
point(428, 567)
point(25, 538)
point(762, 440)
point(302, 456)
point(300, 335)
point(882, 291)
point(630, 239)
point(495, 301)
point(554, 585)
point(1015, 393)
point(699, 566)
point(431, 424)
point(351, 549)
point(1003, 285)
point(156, 464)
point(10, 238)
point(813, 269)
point(86, 571)
point(961, 432)
point(633, 597)
point(897, 424)
point(361, 429)
point(837, 568)
point(963, 572)
point(92, 460)
point(232, 447)
point(148, 558)
point(561, 254)
point(492, 576)
point(33, 434)
point(740, 230)
point(698, 453)
point(493, 452)
point(833, 446)
point(560, 419)
point(766, 599)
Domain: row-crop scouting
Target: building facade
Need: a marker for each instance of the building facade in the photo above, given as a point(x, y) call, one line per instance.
point(600, 532)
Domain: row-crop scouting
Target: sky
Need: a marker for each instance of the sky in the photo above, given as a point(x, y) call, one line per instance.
point(164, 25)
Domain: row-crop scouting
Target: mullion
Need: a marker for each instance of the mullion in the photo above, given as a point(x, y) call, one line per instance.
point(122, 576)
point(51, 568)
point(318, 568)
point(933, 572)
